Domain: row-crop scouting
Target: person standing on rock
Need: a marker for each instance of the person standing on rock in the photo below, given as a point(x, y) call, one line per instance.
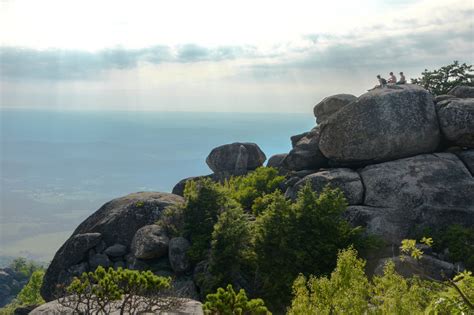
point(402, 79)
point(382, 83)
point(392, 79)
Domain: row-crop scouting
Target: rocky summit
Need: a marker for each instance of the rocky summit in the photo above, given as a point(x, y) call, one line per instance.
point(403, 159)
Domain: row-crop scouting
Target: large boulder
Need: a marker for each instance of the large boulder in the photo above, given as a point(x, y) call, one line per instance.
point(382, 125)
point(150, 242)
point(462, 91)
point(117, 221)
point(343, 178)
point(276, 160)
point(456, 119)
point(429, 190)
point(330, 105)
point(235, 157)
point(305, 153)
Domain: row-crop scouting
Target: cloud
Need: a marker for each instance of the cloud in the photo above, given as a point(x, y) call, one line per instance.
point(55, 64)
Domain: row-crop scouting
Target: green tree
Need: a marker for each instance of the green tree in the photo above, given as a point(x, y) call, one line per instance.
point(231, 244)
point(30, 294)
point(122, 290)
point(303, 237)
point(262, 181)
point(205, 200)
point(442, 80)
point(228, 302)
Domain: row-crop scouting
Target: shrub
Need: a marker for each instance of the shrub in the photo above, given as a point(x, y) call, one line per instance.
point(205, 200)
point(121, 290)
point(262, 181)
point(442, 80)
point(348, 291)
point(231, 245)
point(228, 302)
point(459, 241)
point(330, 295)
point(29, 294)
point(24, 267)
point(303, 237)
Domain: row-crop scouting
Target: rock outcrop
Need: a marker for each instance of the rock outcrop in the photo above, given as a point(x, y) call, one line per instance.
point(456, 119)
point(235, 157)
point(305, 153)
point(116, 222)
point(462, 91)
point(343, 178)
point(382, 150)
point(330, 105)
point(382, 125)
point(11, 283)
point(430, 190)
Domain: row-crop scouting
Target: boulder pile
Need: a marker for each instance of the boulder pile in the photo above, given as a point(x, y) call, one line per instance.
point(404, 160)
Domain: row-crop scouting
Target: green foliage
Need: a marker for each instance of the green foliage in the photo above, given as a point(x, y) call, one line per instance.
point(231, 244)
point(95, 292)
point(262, 181)
point(442, 80)
point(330, 295)
point(24, 267)
point(348, 291)
point(29, 294)
point(228, 302)
point(456, 298)
point(394, 294)
point(459, 241)
point(205, 200)
point(303, 237)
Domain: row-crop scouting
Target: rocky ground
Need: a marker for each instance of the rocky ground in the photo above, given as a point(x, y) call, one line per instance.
point(404, 160)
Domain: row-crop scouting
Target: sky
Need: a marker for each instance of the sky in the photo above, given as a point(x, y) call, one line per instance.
point(218, 56)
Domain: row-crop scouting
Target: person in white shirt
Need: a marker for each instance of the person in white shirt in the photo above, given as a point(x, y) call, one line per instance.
point(392, 79)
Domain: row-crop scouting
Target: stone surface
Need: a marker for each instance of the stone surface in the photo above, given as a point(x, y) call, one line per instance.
point(330, 105)
point(428, 190)
point(178, 258)
point(467, 156)
point(343, 178)
point(443, 97)
point(276, 160)
point(150, 242)
point(462, 91)
point(427, 267)
point(235, 157)
point(305, 153)
point(384, 124)
point(99, 260)
point(116, 250)
point(115, 222)
point(456, 119)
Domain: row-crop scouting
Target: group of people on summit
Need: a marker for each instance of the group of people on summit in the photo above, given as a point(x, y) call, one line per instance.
point(391, 80)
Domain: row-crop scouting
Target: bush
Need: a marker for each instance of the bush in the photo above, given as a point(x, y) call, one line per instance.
point(29, 294)
point(227, 302)
point(303, 237)
point(445, 78)
point(121, 290)
point(262, 181)
point(205, 200)
point(230, 246)
point(348, 291)
point(459, 241)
